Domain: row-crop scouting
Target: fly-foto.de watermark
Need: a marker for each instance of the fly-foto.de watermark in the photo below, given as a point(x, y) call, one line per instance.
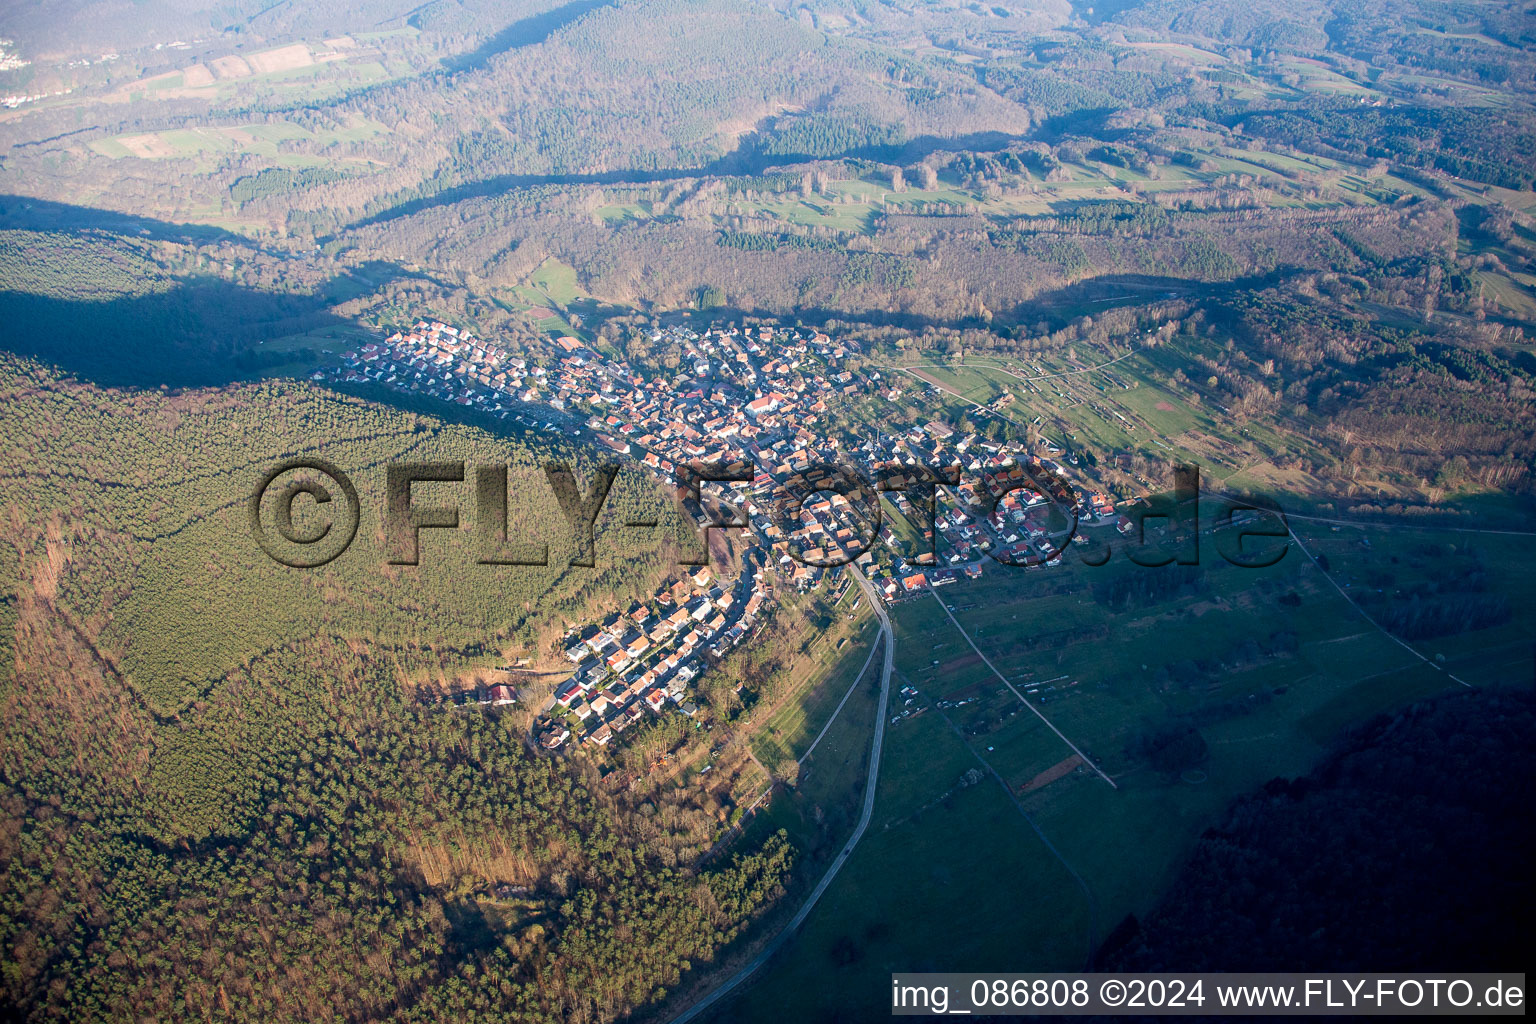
point(791, 506)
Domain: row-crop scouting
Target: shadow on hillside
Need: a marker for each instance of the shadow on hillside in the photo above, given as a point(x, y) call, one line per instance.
point(527, 32)
point(1056, 307)
point(28, 214)
point(201, 332)
point(750, 159)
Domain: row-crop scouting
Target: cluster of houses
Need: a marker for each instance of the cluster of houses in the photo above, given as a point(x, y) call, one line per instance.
point(998, 514)
point(751, 397)
point(448, 364)
point(644, 659)
point(493, 695)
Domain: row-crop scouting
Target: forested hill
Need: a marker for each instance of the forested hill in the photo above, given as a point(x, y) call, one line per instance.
point(226, 792)
point(1409, 850)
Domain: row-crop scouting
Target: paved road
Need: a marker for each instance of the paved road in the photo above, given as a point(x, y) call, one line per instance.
point(888, 640)
point(857, 678)
point(950, 391)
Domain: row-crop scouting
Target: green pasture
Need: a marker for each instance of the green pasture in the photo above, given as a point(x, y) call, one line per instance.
point(1259, 719)
point(956, 882)
point(823, 677)
point(259, 139)
point(556, 281)
point(819, 812)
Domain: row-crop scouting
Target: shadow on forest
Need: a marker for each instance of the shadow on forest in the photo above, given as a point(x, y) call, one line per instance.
point(1057, 307)
point(526, 32)
point(206, 331)
point(201, 332)
point(27, 214)
point(749, 159)
point(1108, 291)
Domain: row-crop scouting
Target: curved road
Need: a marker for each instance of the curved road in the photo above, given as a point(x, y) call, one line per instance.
point(887, 638)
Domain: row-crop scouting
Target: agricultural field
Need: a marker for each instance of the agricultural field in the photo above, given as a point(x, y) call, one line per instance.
point(1181, 728)
point(819, 681)
point(270, 140)
point(916, 891)
point(852, 205)
point(556, 281)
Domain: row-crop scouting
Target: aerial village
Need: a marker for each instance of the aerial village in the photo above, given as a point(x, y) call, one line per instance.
point(753, 397)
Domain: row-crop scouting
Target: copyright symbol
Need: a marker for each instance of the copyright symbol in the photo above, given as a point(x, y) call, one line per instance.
point(1112, 992)
point(313, 541)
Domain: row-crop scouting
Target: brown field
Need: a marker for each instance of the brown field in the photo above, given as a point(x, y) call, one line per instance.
point(284, 58)
point(952, 669)
point(1051, 774)
point(197, 76)
point(231, 67)
point(147, 146)
point(445, 862)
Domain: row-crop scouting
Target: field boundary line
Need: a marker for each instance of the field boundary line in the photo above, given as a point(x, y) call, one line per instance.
point(1022, 699)
point(1364, 615)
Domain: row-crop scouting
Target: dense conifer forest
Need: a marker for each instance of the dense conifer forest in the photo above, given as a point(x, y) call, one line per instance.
point(1403, 852)
point(241, 805)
